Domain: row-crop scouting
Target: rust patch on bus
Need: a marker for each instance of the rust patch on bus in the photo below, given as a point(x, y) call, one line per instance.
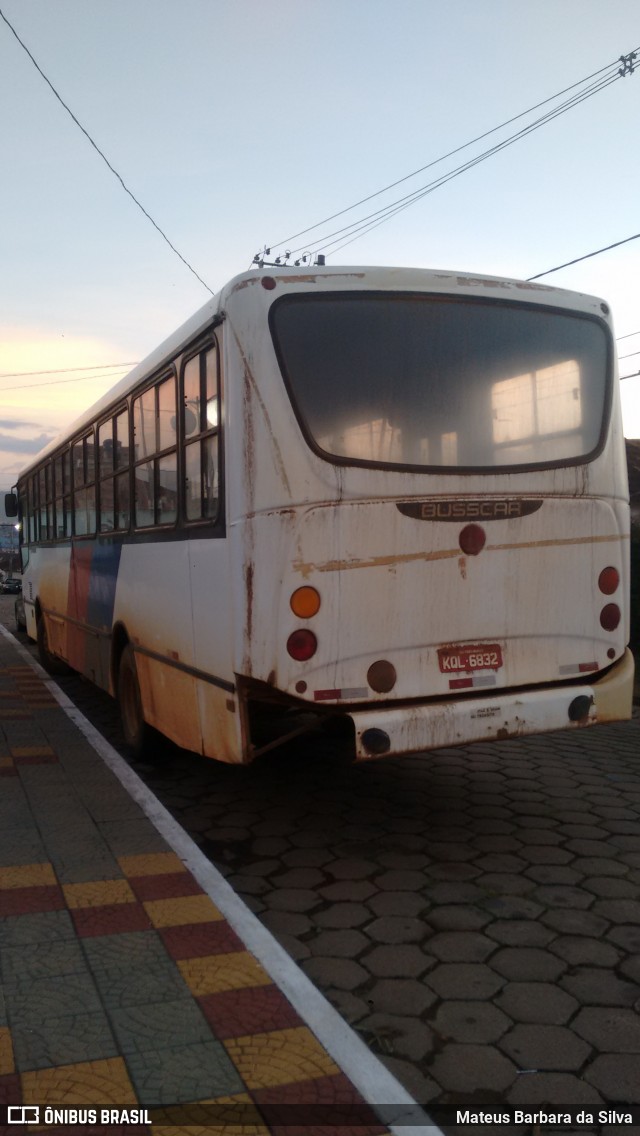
point(306, 568)
point(251, 382)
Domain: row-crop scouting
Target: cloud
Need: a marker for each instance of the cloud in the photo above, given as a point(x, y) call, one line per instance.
point(8, 424)
point(25, 445)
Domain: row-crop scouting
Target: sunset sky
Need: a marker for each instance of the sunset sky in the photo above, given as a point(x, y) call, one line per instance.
point(237, 123)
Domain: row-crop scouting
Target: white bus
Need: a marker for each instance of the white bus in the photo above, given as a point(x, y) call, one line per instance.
point(394, 496)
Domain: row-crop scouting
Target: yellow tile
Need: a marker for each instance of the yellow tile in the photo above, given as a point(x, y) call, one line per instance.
point(280, 1058)
point(98, 893)
point(151, 864)
point(27, 875)
point(6, 762)
point(221, 1114)
point(6, 1052)
point(104, 1082)
point(215, 973)
point(184, 909)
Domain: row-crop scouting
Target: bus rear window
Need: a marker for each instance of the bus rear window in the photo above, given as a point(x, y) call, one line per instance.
point(423, 381)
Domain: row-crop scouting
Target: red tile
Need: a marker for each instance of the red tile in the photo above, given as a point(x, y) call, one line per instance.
point(28, 900)
point(172, 885)
point(8, 771)
point(10, 1092)
point(253, 1009)
point(112, 919)
point(196, 940)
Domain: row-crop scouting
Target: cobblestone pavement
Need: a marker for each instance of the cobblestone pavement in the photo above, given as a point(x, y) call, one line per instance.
point(473, 912)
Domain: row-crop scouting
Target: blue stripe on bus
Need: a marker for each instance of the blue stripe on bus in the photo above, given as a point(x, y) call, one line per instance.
point(105, 562)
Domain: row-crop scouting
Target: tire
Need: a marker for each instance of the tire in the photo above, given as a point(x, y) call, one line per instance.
point(134, 728)
point(51, 663)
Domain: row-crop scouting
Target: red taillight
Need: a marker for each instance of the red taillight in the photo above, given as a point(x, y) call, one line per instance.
point(608, 580)
point(610, 617)
point(302, 644)
point(472, 539)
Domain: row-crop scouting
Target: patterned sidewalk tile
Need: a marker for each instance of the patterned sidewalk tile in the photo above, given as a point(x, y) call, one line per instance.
point(97, 893)
point(6, 1052)
point(31, 961)
point(160, 1026)
point(27, 875)
point(185, 1073)
point(30, 1002)
point(63, 1041)
point(151, 863)
point(110, 920)
point(255, 1009)
point(185, 909)
point(280, 1058)
point(194, 940)
point(215, 973)
point(170, 886)
point(24, 900)
point(40, 927)
point(106, 1081)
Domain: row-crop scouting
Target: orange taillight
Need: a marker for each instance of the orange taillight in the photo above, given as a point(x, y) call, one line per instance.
point(305, 602)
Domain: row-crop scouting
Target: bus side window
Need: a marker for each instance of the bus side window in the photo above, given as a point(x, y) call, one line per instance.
point(201, 416)
point(84, 494)
point(155, 454)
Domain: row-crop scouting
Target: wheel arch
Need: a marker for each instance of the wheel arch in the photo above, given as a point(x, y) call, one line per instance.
point(119, 640)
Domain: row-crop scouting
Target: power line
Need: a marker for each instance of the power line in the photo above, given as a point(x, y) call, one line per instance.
point(365, 224)
point(382, 215)
point(629, 356)
point(587, 255)
point(104, 158)
point(66, 370)
point(450, 154)
point(58, 382)
point(628, 335)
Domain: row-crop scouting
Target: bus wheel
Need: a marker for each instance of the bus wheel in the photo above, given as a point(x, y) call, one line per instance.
point(135, 729)
point(51, 663)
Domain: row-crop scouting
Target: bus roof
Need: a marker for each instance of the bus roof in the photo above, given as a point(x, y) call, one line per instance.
point(352, 278)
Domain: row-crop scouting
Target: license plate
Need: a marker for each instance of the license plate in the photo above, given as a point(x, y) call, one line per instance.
point(480, 657)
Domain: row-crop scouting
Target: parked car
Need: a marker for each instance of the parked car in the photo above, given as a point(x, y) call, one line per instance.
point(11, 585)
point(18, 611)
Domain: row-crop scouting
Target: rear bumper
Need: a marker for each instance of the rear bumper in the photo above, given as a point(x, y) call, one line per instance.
point(514, 713)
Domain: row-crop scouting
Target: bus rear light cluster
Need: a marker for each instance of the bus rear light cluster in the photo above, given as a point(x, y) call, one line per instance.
point(305, 603)
point(302, 644)
point(610, 615)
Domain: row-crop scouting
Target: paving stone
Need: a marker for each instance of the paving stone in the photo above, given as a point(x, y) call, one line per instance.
point(304, 857)
point(401, 903)
point(398, 929)
point(519, 933)
point(183, 1073)
point(159, 1025)
point(594, 865)
point(400, 996)
point(470, 1022)
point(543, 1088)
point(345, 974)
point(397, 962)
point(504, 884)
point(292, 899)
point(461, 946)
point(598, 987)
point(610, 1030)
point(536, 1002)
point(572, 922)
point(421, 1088)
point(616, 1076)
point(618, 910)
point(397, 1035)
point(555, 895)
point(55, 1041)
point(351, 869)
point(458, 917)
point(473, 1069)
point(357, 892)
point(338, 944)
point(527, 964)
point(611, 887)
point(406, 880)
point(343, 915)
point(464, 980)
point(460, 892)
point(513, 907)
point(287, 922)
point(554, 874)
point(32, 1001)
point(352, 1009)
point(304, 878)
point(581, 951)
point(545, 1047)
